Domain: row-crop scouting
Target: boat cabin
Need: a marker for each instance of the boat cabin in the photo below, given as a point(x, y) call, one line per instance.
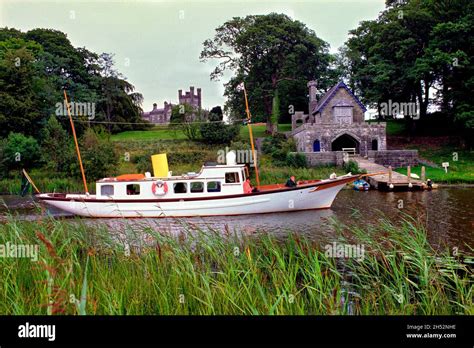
point(212, 180)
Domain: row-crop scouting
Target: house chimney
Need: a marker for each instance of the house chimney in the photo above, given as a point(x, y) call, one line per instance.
point(312, 86)
point(154, 106)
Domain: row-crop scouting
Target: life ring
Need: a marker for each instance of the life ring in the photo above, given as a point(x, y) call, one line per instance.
point(159, 188)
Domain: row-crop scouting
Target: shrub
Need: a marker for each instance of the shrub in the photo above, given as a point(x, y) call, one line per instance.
point(19, 151)
point(352, 167)
point(143, 164)
point(3, 164)
point(186, 118)
point(143, 161)
point(278, 146)
point(216, 131)
point(296, 160)
point(98, 155)
point(57, 148)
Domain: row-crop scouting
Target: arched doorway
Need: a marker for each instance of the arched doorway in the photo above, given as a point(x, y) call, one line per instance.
point(375, 145)
point(345, 141)
point(316, 146)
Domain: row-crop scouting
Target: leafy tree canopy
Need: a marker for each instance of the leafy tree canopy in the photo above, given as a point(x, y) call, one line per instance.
point(418, 51)
point(269, 53)
point(37, 65)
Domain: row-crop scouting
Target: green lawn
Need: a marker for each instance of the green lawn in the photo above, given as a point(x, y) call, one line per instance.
point(155, 133)
point(460, 170)
point(258, 131)
point(160, 133)
point(394, 127)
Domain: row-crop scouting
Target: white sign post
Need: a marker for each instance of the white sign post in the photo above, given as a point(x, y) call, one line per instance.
point(445, 165)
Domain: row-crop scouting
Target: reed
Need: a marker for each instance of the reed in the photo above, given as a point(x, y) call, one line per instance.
point(83, 268)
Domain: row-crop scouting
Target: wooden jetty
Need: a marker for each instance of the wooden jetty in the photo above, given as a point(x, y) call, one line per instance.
point(391, 181)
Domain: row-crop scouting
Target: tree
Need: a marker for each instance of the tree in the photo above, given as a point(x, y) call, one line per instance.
point(269, 53)
point(416, 47)
point(186, 118)
point(215, 131)
point(57, 148)
point(19, 111)
point(118, 100)
point(37, 65)
point(20, 151)
point(275, 112)
point(98, 155)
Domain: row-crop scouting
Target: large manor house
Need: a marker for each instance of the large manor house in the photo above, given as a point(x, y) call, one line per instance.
point(163, 115)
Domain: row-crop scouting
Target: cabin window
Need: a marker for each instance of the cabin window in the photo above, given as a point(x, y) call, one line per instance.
point(180, 187)
point(213, 186)
point(107, 190)
point(197, 187)
point(232, 178)
point(133, 189)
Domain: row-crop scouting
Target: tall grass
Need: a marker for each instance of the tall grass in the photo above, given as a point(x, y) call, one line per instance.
point(13, 185)
point(84, 268)
point(402, 274)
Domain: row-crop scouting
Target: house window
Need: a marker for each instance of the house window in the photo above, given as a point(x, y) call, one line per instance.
point(133, 189)
point(107, 190)
point(343, 115)
point(231, 178)
point(197, 187)
point(180, 187)
point(213, 186)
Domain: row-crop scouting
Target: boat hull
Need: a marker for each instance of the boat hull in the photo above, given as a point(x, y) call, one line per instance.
point(319, 196)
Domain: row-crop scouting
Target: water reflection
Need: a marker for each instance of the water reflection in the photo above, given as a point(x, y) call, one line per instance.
point(448, 214)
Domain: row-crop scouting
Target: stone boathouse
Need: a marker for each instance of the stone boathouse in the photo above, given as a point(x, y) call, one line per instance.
point(336, 125)
point(335, 122)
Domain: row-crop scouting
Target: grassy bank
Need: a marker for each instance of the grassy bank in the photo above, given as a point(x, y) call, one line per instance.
point(460, 170)
point(156, 133)
point(393, 127)
point(211, 273)
point(45, 181)
point(163, 133)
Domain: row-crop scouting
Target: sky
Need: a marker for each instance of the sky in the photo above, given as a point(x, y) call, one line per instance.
point(157, 43)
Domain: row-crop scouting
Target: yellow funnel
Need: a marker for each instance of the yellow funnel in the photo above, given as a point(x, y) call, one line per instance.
point(160, 165)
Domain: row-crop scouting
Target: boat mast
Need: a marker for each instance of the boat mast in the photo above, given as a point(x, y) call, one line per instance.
point(77, 145)
point(249, 124)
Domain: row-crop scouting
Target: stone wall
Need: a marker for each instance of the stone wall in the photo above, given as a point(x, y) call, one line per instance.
point(394, 158)
point(315, 159)
point(363, 133)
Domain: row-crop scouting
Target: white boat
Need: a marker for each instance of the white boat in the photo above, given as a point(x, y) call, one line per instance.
point(215, 190)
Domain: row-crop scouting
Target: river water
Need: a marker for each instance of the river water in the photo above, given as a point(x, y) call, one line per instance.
point(447, 213)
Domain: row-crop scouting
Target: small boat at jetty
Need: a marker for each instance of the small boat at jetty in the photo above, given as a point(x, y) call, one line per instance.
point(361, 185)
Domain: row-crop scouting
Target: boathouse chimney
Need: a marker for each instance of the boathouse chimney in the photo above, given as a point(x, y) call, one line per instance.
point(312, 90)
